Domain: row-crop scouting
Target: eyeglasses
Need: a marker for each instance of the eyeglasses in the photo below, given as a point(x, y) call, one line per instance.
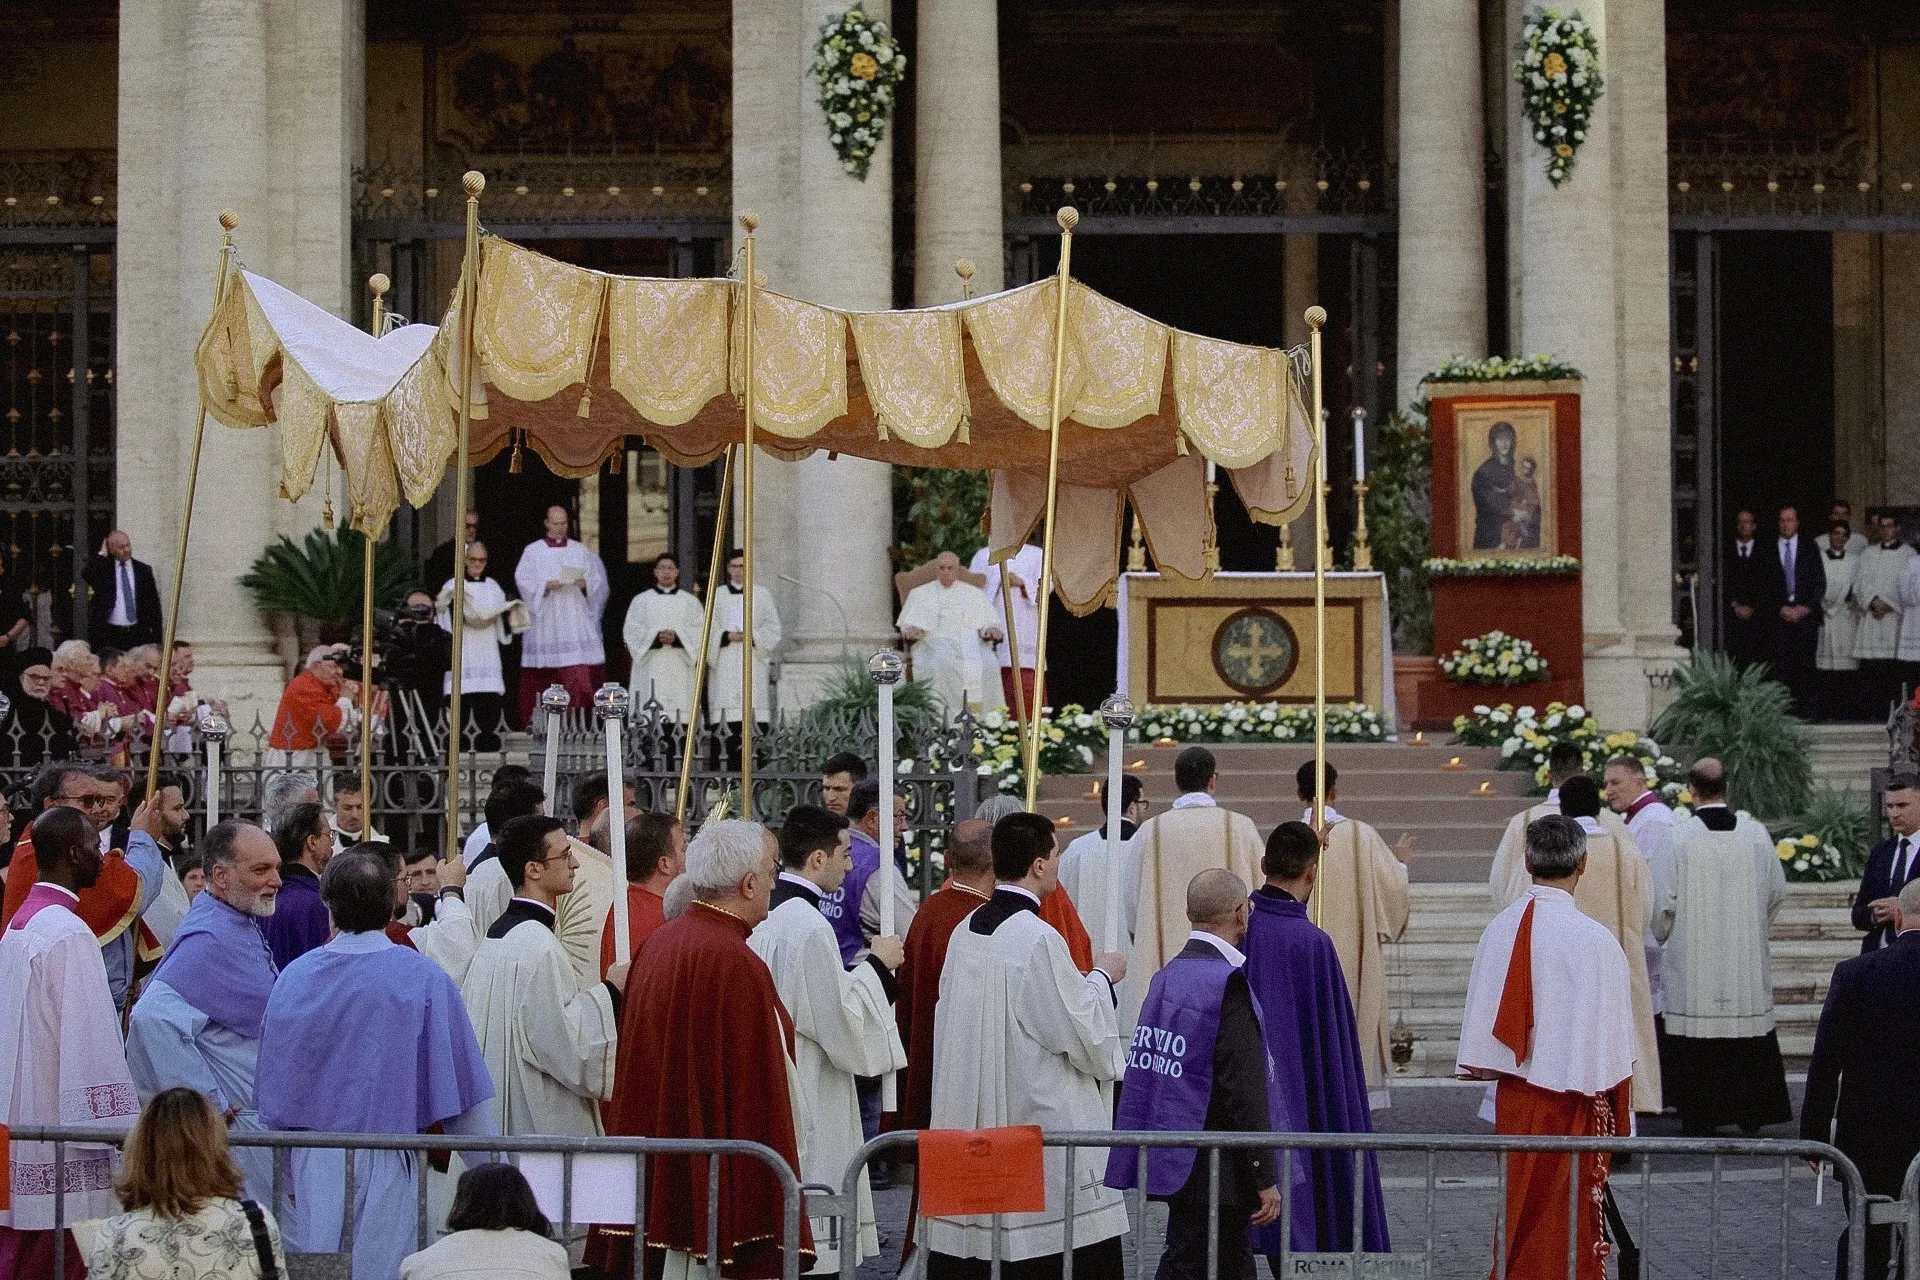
point(90, 802)
point(566, 857)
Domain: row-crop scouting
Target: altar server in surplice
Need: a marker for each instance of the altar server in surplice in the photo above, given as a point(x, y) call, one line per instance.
point(952, 630)
point(1839, 620)
point(1876, 638)
point(1363, 906)
point(564, 586)
point(1294, 971)
point(550, 1044)
point(662, 631)
point(1549, 1019)
point(843, 1022)
point(1019, 574)
point(1023, 1038)
point(726, 651)
point(197, 1022)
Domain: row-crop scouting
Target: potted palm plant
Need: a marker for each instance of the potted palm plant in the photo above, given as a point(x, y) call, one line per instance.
point(310, 591)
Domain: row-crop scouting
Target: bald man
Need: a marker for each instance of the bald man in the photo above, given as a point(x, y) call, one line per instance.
point(953, 630)
point(1198, 1061)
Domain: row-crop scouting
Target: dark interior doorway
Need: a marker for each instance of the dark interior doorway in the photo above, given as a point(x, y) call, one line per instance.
point(1776, 374)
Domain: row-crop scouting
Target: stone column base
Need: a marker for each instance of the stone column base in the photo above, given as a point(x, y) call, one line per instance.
point(1626, 679)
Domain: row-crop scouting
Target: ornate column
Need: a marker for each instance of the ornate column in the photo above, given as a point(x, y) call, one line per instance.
point(957, 192)
point(1443, 253)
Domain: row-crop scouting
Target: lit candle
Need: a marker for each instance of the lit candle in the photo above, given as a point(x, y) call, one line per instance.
point(1211, 471)
point(1359, 444)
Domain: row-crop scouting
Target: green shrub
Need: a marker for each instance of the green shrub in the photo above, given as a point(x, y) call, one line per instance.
point(1747, 721)
point(1399, 524)
point(321, 579)
point(1839, 818)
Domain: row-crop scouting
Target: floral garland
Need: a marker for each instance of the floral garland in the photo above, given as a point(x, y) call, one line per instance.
point(1559, 75)
point(1501, 369)
point(858, 64)
point(1073, 738)
point(1808, 857)
point(1495, 658)
point(1538, 566)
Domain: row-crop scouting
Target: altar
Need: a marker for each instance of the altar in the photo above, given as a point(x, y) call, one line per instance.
point(1248, 637)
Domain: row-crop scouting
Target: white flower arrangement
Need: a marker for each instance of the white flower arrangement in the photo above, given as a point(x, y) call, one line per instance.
point(1536, 566)
point(1526, 736)
point(1536, 367)
point(1559, 75)
point(1495, 658)
point(1808, 857)
point(858, 65)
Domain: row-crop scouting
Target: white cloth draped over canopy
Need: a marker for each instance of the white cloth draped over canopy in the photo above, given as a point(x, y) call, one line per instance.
point(575, 361)
point(663, 673)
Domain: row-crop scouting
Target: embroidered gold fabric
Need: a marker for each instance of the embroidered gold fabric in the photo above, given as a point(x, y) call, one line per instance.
point(535, 326)
point(911, 366)
point(800, 354)
point(1232, 398)
point(1126, 361)
point(1013, 340)
point(305, 415)
point(667, 344)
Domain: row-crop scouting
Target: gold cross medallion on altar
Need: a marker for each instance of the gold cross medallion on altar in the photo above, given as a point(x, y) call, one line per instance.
point(1255, 651)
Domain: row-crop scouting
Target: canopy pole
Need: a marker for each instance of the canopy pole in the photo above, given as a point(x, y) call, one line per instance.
point(228, 221)
point(378, 284)
point(1317, 317)
point(749, 221)
point(716, 564)
point(473, 182)
point(1068, 218)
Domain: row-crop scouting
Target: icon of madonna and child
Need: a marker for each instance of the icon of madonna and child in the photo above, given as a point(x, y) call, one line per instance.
point(1506, 490)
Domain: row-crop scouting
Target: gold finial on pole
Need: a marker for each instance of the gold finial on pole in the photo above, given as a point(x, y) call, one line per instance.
point(1316, 318)
point(964, 269)
point(752, 282)
point(473, 183)
point(1068, 218)
point(229, 222)
point(378, 285)
point(716, 565)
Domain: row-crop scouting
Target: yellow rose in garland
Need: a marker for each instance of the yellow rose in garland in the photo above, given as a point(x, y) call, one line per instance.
point(858, 66)
point(864, 66)
point(1559, 75)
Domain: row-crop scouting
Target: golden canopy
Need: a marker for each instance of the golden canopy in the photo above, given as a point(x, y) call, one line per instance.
point(573, 361)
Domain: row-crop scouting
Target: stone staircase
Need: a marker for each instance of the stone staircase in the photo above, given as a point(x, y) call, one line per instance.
point(1433, 791)
point(1845, 755)
point(1427, 970)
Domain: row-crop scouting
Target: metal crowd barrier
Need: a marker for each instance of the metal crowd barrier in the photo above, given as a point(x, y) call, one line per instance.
point(1860, 1208)
point(327, 1266)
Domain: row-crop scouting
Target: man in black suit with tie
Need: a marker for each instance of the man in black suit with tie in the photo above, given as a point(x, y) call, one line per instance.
point(1744, 635)
point(1893, 862)
point(1792, 586)
point(123, 605)
point(1865, 1071)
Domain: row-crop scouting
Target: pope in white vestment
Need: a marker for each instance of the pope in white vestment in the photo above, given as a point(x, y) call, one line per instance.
point(725, 650)
point(662, 632)
point(951, 629)
point(843, 1026)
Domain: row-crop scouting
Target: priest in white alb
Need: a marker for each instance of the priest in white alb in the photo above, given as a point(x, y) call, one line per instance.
point(1549, 1019)
point(1876, 635)
point(952, 630)
point(843, 1023)
point(1024, 1038)
point(662, 631)
point(1507, 880)
point(564, 587)
point(726, 651)
point(61, 1062)
point(1716, 918)
point(1359, 901)
point(550, 1044)
point(1019, 575)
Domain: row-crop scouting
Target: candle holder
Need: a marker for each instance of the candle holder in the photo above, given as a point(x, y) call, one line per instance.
point(1283, 554)
point(611, 701)
point(1213, 535)
point(1326, 535)
point(1362, 552)
point(1137, 552)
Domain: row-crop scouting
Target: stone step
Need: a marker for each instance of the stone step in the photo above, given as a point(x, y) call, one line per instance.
point(1434, 1057)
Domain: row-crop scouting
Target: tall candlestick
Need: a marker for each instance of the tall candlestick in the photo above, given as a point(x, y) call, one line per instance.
point(1359, 444)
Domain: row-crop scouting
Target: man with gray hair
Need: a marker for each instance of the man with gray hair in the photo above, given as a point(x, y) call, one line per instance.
point(700, 997)
point(284, 791)
point(1549, 1020)
point(1715, 915)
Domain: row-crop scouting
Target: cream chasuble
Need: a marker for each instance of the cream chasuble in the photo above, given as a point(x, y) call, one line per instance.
point(663, 673)
point(1024, 1038)
point(961, 666)
point(1360, 900)
point(1716, 922)
point(1165, 852)
point(582, 912)
point(1508, 879)
point(843, 1027)
point(549, 1044)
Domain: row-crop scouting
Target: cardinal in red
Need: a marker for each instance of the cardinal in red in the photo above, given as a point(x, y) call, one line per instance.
point(699, 997)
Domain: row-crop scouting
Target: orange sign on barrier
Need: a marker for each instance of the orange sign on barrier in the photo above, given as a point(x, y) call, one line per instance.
point(981, 1171)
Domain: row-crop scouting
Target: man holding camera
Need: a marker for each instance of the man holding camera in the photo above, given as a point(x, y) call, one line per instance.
point(318, 703)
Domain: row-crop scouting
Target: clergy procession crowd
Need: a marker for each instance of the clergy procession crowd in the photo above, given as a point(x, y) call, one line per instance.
point(321, 980)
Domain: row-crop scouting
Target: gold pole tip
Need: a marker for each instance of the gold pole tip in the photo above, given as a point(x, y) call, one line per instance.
point(379, 283)
point(473, 182)
point(229, 219)
point(964, 268)
point(750, 220)
point(1316, 317)
point(759, 279)
point(1068, 218)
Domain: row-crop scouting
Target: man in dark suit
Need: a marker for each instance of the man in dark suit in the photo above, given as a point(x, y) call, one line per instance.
point(1744, 641)
point(1865, 1071)
point(123, 604)
point(1199, 1023)
point(1792, 585)
point(1893, 863)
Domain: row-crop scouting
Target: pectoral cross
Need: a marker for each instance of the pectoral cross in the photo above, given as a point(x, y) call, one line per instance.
point(1255, 651)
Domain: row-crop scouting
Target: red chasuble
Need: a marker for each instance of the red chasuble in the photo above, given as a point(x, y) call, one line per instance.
point(1057, 909)
point(108, 907)
point(702, 999)
point(646, 911)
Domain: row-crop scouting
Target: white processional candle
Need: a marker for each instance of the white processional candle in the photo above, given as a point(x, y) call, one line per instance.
point(617, 839)
point(888, 1089)
point(1359, 445)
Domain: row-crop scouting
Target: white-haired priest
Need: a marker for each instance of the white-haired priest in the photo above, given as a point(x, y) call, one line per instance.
point(1550, 1021)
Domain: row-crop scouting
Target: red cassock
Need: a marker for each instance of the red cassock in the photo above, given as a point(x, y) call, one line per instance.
point(646, 911)
point(308, 709)
point(698, 1001)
